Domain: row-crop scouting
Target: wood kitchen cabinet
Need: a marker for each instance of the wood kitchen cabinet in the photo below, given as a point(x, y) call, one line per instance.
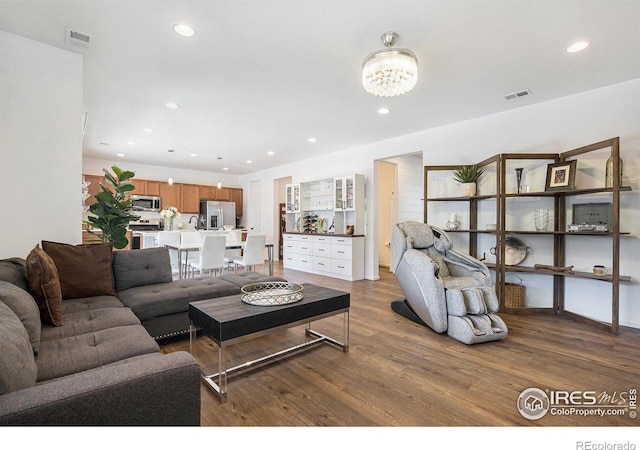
point(236, 196)
point(186, 197)
point(190, 198)
point(223, 194)
point(152, 188)
point(208, 192)
point(171, 195)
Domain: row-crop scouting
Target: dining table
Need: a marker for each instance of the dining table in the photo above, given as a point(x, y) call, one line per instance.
point(183, 250)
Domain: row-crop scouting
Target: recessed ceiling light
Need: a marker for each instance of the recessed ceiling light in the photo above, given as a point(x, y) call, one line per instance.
point(384, 111)
point(312, 139)
point(271, 153)
point(120, 155)
point(249, 161)
point(225, 168)
point(148, 130)
point(131, 143)
point(172, 105)
point(194, 155)
point(183, 29)
point(578, 46)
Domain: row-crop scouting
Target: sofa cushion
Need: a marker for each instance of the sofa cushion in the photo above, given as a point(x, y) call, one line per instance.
point(90, 303)
point(169, 298)
point(44, 285)
point(25, 307)
point(17, 365)
point(82, 322)
point(85, 270)
point(73, 354)
point(133, 268)
point(14, 270)
point(243, 278)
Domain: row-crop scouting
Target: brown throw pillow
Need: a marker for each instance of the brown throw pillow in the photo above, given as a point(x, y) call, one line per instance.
point(85, 270)
point(45, 286)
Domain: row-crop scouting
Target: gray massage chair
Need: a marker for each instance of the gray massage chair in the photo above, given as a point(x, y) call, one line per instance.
point(445, 289)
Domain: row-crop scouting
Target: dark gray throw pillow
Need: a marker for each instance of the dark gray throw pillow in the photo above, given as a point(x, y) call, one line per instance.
point(133, 268)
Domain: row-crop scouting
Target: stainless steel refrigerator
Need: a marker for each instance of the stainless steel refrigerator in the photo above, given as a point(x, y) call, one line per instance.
point(215, 215)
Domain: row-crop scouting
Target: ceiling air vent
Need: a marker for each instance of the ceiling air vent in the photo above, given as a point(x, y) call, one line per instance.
point(517, 94)
point(76, 38)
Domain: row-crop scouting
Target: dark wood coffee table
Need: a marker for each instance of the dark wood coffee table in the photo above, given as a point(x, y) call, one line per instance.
point(228, 321)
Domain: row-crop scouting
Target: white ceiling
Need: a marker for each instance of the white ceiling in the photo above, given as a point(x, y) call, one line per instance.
point(266, 75)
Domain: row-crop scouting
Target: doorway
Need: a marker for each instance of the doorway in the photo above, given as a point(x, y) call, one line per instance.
point(387, 182)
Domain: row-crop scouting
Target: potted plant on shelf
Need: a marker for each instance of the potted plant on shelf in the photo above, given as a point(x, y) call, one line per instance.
point(113, 210)
point(468, 176)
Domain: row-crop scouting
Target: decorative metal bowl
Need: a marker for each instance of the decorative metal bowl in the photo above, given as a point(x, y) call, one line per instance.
point(272, 293)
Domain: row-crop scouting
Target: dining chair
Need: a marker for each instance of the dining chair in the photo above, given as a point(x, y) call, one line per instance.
point(253, 253)
point(211, 256)
point(191, 237)
point(170, 238)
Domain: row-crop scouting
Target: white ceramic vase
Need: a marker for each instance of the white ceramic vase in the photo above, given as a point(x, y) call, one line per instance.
point(468, 189)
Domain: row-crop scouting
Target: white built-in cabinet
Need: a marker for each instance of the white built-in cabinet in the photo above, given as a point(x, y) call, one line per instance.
point(333, 256)
point(337, 202)
point(324, 227)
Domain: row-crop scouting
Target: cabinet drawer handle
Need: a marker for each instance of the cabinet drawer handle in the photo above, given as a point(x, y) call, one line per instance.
point(320, 249)
point(340, 267)
point(340, 251)
point(321, 264)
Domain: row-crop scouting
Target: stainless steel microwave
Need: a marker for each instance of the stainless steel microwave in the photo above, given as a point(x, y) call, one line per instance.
point(146, 203)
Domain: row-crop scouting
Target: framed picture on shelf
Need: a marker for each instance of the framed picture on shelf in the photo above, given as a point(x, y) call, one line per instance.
point(561, 175)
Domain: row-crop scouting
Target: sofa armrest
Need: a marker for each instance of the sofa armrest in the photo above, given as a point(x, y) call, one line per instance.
point(154, 389)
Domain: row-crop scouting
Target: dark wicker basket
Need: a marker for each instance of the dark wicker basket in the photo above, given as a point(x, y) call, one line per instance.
point(513, 295)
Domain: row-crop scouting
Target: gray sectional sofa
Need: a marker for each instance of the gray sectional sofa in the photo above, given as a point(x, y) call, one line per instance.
point(101, 365)
point(143, 282)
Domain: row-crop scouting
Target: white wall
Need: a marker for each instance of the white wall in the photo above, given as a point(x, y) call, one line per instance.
point(553, 126)
point(410, 195)
point(40, 144)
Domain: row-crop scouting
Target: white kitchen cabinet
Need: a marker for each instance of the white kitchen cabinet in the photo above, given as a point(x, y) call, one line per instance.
point(349, 204)
point(333, 256)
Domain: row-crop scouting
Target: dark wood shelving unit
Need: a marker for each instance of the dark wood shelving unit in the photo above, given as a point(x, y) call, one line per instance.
point(559, 234)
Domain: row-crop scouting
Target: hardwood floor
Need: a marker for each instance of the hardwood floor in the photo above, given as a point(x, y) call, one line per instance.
point(398, 373)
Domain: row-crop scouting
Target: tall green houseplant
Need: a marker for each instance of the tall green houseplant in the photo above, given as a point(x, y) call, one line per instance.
point(113, 210)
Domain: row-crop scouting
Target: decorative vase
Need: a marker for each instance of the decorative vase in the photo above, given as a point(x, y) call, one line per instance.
point(168, 224)
point(541, 219)
point(468, 189)
point(519, 179)
point(608, 178)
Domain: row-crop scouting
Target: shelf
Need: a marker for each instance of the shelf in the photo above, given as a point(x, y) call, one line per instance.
point(560, 197)
point(553, 193)
point(323, 194)
point(576, 274)
point(462, 199)
point(567, 233)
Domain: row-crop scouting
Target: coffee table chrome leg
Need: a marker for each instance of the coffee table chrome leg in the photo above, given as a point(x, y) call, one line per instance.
point(192, 339)
point(345, 331)
point(222, 374)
